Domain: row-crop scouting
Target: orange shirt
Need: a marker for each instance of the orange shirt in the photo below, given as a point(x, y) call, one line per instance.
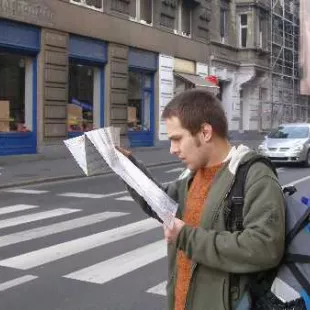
point(193, 211)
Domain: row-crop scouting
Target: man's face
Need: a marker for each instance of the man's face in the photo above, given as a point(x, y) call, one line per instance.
point(192, 150)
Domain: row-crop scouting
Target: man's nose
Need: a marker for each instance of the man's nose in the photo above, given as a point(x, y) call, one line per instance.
point(174, 149)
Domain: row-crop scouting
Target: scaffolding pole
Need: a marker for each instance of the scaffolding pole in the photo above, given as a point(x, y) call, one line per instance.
point(284, 49)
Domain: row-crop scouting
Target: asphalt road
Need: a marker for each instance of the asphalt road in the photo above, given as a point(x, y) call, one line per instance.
point(83, 244)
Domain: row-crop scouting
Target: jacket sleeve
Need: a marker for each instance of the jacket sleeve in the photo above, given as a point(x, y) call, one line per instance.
point(259, 246)
point(170, 189)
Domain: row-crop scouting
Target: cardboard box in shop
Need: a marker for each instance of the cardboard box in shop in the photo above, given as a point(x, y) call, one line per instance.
point(75, 116)
point(4, 115)
point(4, 125)
point(132, 115)
point(5, 109)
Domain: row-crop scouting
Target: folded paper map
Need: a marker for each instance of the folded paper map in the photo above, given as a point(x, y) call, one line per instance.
point(96, 149)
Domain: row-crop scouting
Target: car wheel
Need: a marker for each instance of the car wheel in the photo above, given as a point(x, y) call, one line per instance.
point(307, 161)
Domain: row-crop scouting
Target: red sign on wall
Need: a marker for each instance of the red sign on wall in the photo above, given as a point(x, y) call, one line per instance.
point(213, 79)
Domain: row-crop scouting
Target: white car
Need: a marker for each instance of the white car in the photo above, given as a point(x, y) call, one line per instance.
point(288, 143)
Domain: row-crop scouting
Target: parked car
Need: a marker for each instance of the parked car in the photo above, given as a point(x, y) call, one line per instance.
point(288, 143)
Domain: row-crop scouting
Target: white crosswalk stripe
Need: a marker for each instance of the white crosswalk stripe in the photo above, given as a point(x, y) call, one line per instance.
point(125, 198)
point(35, 217)
point(65, 249)
point(25, 191)
point(18, 281)
point(159, 289)
point(120, 265)
point(85, 195)
point(16, 208)
point(101, 272)
point(57, 228)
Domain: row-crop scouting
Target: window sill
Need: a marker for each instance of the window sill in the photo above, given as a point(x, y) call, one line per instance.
point(182, 34)
point(142, 22)
point(87, 6)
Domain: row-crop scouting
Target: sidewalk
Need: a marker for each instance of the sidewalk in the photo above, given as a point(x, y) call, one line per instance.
point(56, 163)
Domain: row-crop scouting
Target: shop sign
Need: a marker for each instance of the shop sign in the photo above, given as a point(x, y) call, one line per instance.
point(27, 10)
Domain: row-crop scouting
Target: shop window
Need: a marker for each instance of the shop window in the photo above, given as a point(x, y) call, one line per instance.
point(140, 97)
point(15, 103)
point(243, 30)
point(92, 4)
point(81, 97)
point(184, 19)
point(144, 11)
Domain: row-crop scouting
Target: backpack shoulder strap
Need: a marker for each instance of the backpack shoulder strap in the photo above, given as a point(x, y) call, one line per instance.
point(236, 194)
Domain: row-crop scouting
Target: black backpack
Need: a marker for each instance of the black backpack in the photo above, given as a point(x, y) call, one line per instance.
point(260, 283)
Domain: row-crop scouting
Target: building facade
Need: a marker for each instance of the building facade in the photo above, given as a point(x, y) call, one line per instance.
point(68, 66)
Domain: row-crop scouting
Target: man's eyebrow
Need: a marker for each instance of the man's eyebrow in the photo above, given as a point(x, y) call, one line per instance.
point(174, 137)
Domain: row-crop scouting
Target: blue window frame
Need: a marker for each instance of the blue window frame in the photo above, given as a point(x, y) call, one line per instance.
point(86, 78)
point(20, 42)
point(141, 100)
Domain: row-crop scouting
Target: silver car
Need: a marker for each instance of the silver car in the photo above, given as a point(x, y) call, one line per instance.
point(288, 143)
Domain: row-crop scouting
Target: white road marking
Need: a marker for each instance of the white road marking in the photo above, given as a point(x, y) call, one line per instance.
point(25, 191)
point(118, 266)
point(175, 170)
point(35, 217)
point(88, 195)
point(125, 198)
point(298, 181)
point(16, 208)
point(57, 228)
point(58, 251)
point(281, 169)
point(18, 281)
point(159, 289)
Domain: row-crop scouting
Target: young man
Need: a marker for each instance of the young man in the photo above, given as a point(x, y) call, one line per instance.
point(203, 255)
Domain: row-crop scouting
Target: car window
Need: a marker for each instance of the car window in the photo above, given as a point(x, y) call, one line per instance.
point(282, 132)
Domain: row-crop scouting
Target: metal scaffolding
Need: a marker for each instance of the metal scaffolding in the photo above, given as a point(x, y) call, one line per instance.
point(286, 104)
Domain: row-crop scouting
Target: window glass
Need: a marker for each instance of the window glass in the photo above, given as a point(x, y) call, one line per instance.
point(81, 94)
point(12, 93)
point(223, 17)
point(290, 132)
point(185, 19)
point(244, 19)
point(93, 4)
point(148, 81)
point(147, 110)
point(244, 34)
point(140, 94)
point(146, 11)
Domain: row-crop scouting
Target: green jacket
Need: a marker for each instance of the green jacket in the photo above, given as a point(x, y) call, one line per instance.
point(217, 253)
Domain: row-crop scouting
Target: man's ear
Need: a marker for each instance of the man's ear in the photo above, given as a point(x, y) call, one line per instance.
point(207, 132)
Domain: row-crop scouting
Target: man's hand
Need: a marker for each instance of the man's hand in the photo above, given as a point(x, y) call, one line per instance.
point(123, 151)
point(171, 235)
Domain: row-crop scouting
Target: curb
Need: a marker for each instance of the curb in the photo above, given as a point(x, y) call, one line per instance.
point(75, 176)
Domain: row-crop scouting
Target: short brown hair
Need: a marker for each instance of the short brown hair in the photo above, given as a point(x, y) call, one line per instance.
point(194, 108)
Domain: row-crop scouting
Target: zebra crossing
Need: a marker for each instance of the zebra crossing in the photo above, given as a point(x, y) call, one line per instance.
point(100, 273)
point(31, 224)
